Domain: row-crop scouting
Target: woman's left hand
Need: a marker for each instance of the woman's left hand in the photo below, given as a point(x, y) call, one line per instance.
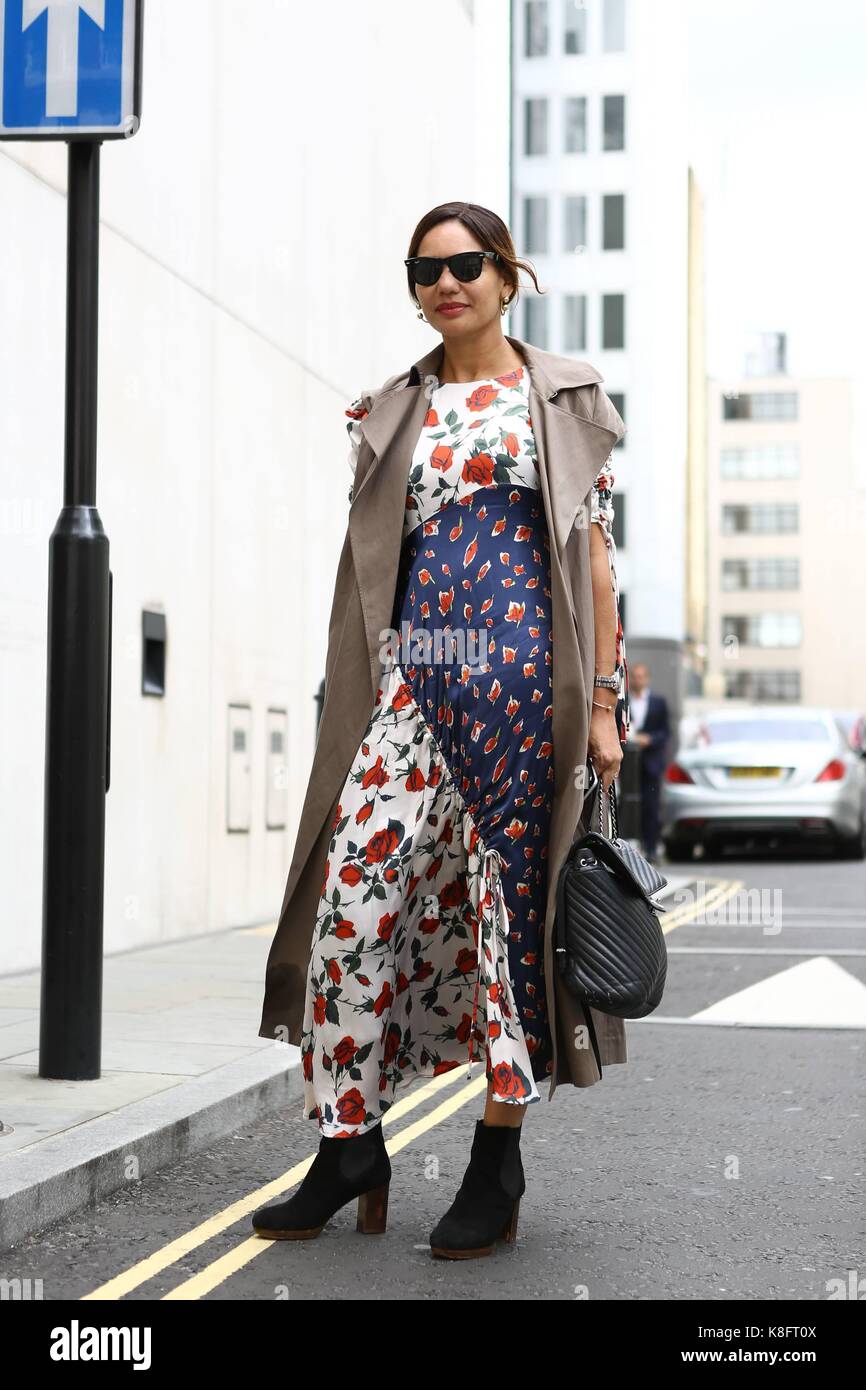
point(603, 746)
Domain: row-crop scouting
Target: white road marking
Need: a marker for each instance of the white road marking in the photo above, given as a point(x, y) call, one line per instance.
point(816, 993)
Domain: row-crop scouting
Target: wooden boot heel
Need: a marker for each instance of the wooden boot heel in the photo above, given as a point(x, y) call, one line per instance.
point(373, 1210)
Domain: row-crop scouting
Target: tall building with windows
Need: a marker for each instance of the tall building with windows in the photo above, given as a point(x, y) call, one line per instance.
point(786, 527)
point(600, 206)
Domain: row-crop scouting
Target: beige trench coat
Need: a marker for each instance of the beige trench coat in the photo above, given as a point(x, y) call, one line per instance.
point(575, 426)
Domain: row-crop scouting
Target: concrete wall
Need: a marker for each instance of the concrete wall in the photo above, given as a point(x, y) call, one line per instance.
point(252, 283)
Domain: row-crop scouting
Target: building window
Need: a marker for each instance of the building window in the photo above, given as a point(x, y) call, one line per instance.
point(618, 502)
point(613, 123)
point(761, 572)
point(574, 323)
point(613, 26)
point(763, 629)
point(761, 519)
point(761, 462)
point(762, 685)
point(535, 226)
point(574, 231)
point(535, 125)
point(575, 125)
point(613, 320)
point(613, 222)
point(574, 32)
point(761, 405)
point(617, 399)
point(535, 319)
point(536, 28)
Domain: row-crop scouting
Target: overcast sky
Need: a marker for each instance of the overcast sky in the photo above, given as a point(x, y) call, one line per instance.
point(778, 142)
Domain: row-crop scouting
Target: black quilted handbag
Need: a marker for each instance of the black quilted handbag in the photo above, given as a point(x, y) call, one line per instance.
point(609, 944)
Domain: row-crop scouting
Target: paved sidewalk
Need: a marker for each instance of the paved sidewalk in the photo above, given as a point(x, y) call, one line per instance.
point(182, 1066)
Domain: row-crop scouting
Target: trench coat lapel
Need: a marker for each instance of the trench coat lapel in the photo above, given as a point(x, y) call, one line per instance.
point(571, 448)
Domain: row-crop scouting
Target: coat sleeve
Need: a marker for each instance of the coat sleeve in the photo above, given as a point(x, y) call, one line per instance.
point(355, 413)
point(603, 514)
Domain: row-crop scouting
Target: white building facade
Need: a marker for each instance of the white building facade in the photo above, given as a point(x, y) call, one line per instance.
point(786, 527)
point(600, 206)
point(251, 284)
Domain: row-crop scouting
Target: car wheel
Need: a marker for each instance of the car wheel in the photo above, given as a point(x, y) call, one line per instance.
point(854, 847)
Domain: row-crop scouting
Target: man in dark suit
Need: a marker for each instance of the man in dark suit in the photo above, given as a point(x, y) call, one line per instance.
point(649, 728)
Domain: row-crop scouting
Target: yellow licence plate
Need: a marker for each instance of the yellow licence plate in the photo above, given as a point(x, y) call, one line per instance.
point(754, 772)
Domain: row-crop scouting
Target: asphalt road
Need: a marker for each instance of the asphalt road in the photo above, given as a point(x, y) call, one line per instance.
point(722, 1162)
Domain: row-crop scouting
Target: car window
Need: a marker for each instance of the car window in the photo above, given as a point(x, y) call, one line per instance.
point(760, 730)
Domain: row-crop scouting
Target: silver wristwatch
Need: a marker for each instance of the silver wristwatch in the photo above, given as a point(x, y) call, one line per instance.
point(609, 682)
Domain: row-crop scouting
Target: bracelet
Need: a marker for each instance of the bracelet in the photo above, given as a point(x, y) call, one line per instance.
point(611, 709)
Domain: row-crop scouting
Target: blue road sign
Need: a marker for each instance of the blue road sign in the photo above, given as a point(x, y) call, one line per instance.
point(69, 68)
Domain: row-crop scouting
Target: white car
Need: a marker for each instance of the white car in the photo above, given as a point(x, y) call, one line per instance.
point(774, 773)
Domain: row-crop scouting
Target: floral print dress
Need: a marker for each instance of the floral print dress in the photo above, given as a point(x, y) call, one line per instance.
point(427, 948)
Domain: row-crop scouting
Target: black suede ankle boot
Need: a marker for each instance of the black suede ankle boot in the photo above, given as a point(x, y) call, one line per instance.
point(342, 1169)
point(488, 1200)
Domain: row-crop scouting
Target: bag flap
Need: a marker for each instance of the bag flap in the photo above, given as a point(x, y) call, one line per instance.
point(628, 863)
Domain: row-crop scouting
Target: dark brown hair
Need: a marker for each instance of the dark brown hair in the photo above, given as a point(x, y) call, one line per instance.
point(488, 228)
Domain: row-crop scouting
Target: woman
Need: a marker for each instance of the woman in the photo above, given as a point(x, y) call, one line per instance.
point(429, 935)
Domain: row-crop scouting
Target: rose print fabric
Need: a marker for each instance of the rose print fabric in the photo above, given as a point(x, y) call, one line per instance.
point(427, 949)
point(602, 513)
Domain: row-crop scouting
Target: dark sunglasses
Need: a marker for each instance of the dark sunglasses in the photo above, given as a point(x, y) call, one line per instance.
point(465, 266)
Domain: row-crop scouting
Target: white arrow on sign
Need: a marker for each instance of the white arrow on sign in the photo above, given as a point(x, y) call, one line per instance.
point(61, 59)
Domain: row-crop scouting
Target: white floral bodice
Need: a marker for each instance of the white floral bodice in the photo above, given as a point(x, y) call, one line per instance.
point(476, 434)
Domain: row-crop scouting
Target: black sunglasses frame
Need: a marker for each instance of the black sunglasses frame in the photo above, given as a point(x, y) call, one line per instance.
point(459, 257)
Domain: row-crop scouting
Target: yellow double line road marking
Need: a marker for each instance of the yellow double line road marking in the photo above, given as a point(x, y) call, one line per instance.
point(200, 1284)
point(721, 890)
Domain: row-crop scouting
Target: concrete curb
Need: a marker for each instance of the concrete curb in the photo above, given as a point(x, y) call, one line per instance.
point(62, 1175)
